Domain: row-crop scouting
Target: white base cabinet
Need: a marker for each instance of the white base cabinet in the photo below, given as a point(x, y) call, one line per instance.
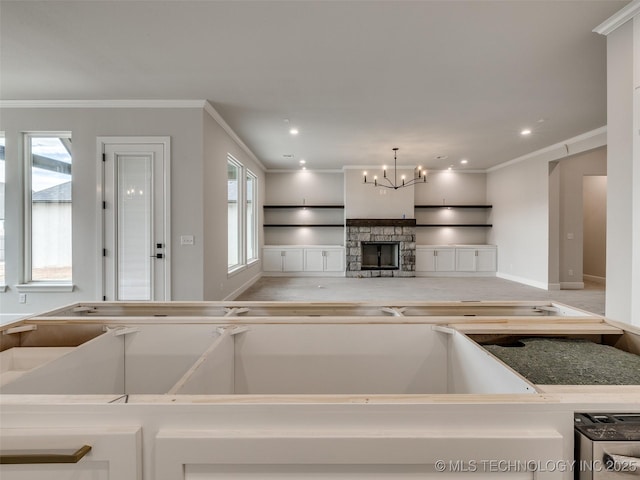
point(303, 260)
point(282, 259)
point(456, 260)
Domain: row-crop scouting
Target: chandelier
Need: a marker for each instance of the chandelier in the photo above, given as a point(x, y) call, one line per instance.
point(419, 176)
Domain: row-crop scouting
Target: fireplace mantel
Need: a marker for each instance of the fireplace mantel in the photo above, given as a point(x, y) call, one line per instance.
point(381, 222)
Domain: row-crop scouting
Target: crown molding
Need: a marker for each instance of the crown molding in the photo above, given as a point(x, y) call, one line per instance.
point(299, 170)
point(102, 103)
point(618, 18)
point(213, 113)
point(581, 143)
point(202, 104)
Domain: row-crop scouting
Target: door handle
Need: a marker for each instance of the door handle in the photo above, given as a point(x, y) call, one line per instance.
point(621, 463)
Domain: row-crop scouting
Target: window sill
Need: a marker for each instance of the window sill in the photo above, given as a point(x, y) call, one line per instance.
point(45, 287)
point(236, 270)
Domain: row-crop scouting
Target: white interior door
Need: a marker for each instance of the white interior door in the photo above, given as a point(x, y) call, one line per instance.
point(136, 250)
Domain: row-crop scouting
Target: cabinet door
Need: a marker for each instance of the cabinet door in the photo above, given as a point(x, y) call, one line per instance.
point(334, 260)
point(115, 453)
point(313, 260)
point(425, 260)
point(466, 259)
point(272, 260)
point(445, 260)
point(486, 260)
point(293, 260)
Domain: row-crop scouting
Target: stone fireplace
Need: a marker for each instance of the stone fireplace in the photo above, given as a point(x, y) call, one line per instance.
point(381, 247)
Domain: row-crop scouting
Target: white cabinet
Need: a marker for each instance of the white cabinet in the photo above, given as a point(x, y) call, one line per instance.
point(311, 260)
point(323, 260)
point(476, 259)
point(435, 259)
point(456, 260)
point(115, 452)
point(282, 259)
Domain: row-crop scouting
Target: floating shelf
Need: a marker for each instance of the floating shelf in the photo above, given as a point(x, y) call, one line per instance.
point(303, 206)
point(454, 225)
point(453, 206)
point(304, 225)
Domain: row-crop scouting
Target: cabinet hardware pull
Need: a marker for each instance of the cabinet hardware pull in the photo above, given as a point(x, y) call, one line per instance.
point(44, 456)
point(620, 463)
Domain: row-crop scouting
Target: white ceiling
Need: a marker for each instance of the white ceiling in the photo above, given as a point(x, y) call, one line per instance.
point(455, 78)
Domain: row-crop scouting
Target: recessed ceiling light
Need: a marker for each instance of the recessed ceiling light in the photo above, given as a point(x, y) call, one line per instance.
point(449, 168)
point(526, 131)
point(304, 168)
point(302, 162)
point(464, 161)
point(293, 131)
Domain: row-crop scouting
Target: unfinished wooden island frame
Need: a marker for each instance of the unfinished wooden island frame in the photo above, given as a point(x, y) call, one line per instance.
point(203, 390)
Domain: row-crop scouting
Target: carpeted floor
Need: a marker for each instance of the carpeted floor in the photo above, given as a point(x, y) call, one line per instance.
point(340, 289)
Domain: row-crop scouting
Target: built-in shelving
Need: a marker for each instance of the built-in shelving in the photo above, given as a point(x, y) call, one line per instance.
point(458, 207)
point(454, 206)
point(304, 224)
point(303, 206)
point(454, 225)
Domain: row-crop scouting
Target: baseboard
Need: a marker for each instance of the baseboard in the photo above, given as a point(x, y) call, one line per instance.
point(238, 291)
point(571, 285)
point(524, 281)
point(303, 274)
point(455, 274)
point(595, 279)
point(554, 287)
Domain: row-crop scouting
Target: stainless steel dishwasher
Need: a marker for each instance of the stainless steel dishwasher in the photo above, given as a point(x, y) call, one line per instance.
point(607, 446)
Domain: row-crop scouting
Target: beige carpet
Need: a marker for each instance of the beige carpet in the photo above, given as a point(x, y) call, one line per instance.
point(311, 289)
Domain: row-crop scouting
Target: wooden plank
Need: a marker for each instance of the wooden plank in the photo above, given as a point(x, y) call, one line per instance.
point(539, 329)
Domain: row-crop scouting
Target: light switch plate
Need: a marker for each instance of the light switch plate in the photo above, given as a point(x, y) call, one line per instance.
point(187, 240)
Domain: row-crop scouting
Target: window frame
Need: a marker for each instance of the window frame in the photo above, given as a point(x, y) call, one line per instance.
point(3, 279)
point(240, 217)
point(28, 283)
point(254, 226)
point(243, 260)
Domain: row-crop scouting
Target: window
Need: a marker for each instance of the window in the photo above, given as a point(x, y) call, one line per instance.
point(242, 218)
point(233, 213)
point(48, 208)
point(2, 209)
point(252, 217)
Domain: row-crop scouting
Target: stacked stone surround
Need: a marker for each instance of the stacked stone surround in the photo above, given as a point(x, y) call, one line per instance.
point(381, 230)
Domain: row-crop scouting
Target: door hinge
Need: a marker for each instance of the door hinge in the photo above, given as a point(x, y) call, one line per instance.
point(104, 205)
point(104, 298)
point(104, 252)
point(104, 157)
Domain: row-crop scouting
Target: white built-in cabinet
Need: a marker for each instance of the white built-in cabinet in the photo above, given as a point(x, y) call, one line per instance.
point(330, 259)
point(476, 259)
point(309, 259)
point(282, 259)
point(456, 260)
point(435, 259)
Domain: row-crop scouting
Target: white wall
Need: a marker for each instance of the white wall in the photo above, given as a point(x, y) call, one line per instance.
point(366, 201)
point(622, 282)
point(520, 216)
point(311, 188)
point(572, 172)
point(184, 125)
point(595, 227)
point(452, 188)
point(218, 284)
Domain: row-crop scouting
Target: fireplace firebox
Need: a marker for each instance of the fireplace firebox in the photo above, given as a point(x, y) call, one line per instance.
point(380, 255)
